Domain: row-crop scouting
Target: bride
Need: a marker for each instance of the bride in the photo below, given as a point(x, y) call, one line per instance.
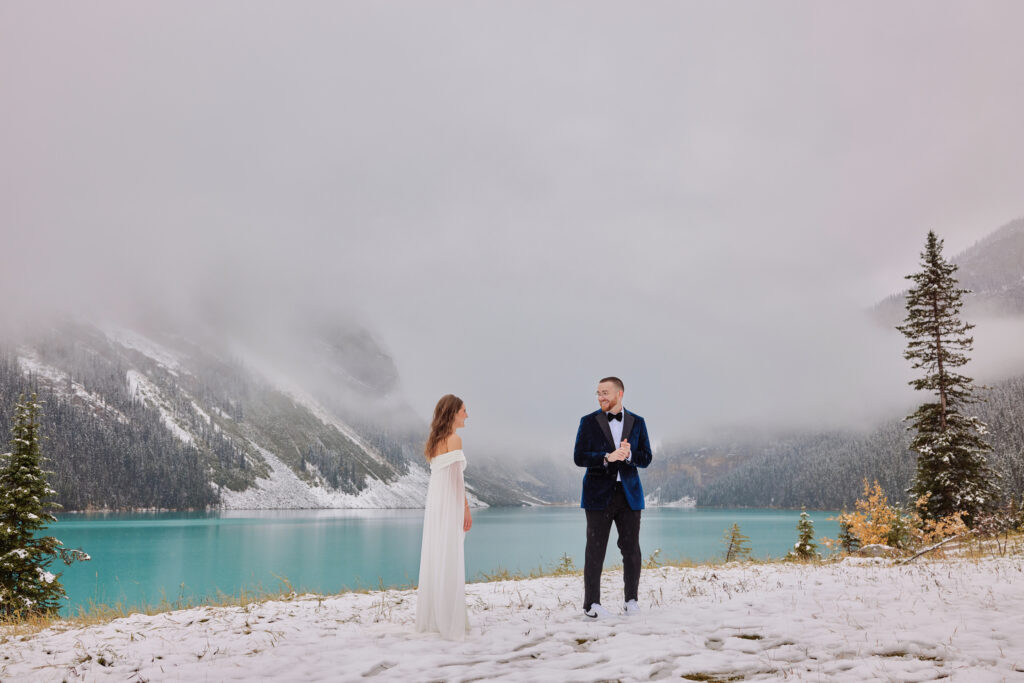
point(441, 601)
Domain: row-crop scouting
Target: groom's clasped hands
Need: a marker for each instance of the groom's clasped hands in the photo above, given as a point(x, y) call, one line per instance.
point(621, 453)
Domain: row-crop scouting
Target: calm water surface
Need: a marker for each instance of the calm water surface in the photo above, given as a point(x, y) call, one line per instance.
point(141, 559)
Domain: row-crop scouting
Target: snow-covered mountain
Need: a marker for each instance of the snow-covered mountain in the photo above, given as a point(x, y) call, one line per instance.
point(151, 419)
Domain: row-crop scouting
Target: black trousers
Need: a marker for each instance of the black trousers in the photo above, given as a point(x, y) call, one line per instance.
point(599, 525)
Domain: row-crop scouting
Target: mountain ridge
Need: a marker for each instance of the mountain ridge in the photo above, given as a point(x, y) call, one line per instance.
point(159, 420)
point(992, 269)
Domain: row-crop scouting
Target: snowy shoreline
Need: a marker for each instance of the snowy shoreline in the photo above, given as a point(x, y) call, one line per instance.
point(854, 620)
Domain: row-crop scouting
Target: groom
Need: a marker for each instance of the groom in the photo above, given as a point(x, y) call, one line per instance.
point(611, 443)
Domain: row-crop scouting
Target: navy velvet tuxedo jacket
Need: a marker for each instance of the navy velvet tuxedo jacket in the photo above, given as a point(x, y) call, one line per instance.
point(593, 442)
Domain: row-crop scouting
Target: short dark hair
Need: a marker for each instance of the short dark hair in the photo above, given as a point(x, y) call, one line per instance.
point(616, 381)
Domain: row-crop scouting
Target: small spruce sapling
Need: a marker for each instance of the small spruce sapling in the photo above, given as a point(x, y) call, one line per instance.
point(848, 541)
point(805, 548)
point(737, 546)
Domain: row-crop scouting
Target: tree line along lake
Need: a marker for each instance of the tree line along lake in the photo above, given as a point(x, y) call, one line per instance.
point(143, 559)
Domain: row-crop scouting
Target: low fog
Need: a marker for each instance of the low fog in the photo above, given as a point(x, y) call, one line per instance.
point(519, 198)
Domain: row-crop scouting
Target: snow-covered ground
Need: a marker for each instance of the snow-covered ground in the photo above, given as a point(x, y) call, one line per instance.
point(859, 620)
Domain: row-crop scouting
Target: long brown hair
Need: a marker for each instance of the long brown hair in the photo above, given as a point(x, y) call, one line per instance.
point(444, 417)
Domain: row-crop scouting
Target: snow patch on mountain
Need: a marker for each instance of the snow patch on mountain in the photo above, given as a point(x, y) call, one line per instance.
point(287, 386)
point(221, 413)
point(285, 490)
point(58, 380)
point(206, 417)
point(532, 501)
point(653, 499)
point(684, 502)
point(141, 387)
point(325, 416)
point(164, 357)
point(202, 413)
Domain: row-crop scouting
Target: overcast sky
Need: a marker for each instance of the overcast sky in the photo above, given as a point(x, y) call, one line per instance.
point(521, 197)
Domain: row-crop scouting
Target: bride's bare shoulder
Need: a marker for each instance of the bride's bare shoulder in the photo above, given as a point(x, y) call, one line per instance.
point(454, 443)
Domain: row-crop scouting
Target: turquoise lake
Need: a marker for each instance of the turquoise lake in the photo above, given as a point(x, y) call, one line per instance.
point(140, 559)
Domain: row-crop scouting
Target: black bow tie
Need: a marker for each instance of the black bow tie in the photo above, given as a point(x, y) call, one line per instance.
point(614, 416)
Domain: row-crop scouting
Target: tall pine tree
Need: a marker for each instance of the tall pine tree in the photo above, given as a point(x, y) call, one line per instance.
point(952, 472)
point(26, 584)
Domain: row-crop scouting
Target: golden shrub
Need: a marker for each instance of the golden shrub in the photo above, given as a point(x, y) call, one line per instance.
point(876, 521)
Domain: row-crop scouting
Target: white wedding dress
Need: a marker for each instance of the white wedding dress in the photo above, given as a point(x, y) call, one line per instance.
point(441, 600)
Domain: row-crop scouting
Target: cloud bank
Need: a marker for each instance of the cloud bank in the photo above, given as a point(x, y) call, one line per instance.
point(520, 198)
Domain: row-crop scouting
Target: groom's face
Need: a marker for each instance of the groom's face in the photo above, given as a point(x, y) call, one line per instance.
point(609, 396)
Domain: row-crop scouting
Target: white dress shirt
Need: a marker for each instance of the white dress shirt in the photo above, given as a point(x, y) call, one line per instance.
point(616, 427)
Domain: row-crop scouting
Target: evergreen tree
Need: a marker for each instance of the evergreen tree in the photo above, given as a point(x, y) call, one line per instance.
point(805, 548)
point(951, 467)
point(737, 546)
point(26, 584)
point(848, 541)
point(1018, 515)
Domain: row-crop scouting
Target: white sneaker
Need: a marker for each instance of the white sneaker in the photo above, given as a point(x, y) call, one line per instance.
point(597, 612)
point(631, 608)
